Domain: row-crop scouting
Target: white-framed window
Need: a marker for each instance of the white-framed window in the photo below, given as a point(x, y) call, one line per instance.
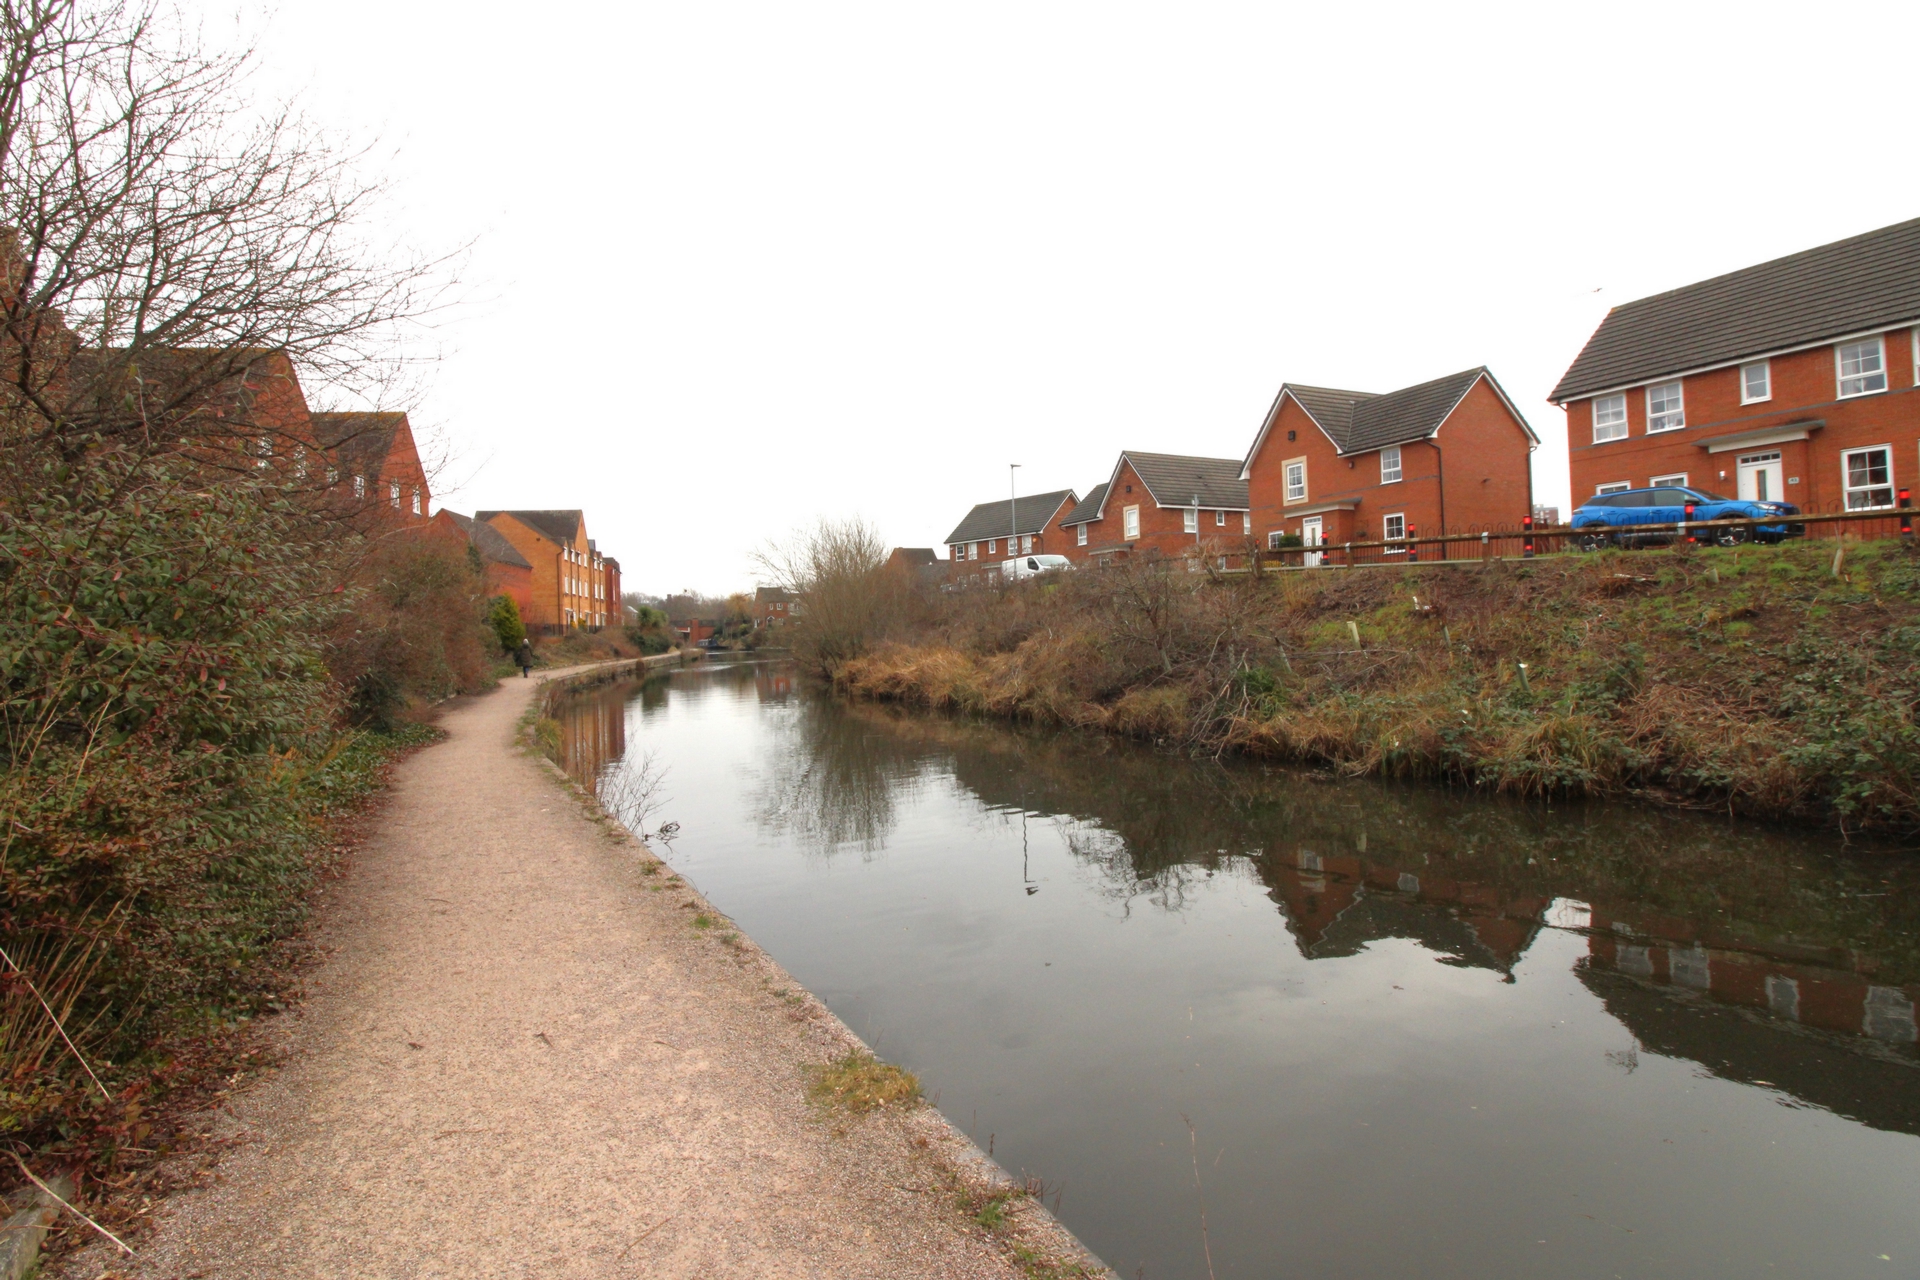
point(1080, 535)
point(359, 486)
point(1868, 477)
point(1610, 418)
point(1390, 464)
point(1666, 410)
point(1862, 367)
point(416, 500)
point(300, 463)
point(1246, 524)
point(1615, 486)
point(1273, 539)
point(1220, 519)
point(1756, 381)
point(263, 449)
point(1296, 474)
point(393, 494)
point(1395, 526)
point(993, 546)
point(1129, 523)
point(1190, 520)
point(1678, 480)
point(333, 475)
point(1026, 544)
point(973, 551)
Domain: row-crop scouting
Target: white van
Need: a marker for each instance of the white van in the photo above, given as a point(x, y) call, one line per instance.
point(1032, 566)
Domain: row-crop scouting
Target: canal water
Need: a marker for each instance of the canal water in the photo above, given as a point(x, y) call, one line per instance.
point(1357, 1029)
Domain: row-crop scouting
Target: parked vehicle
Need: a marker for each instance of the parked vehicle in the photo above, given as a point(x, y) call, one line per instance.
point(1032, 566)
point(1631, 517)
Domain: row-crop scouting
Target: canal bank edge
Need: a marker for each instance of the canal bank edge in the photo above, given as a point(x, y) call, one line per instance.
point(982, 1190)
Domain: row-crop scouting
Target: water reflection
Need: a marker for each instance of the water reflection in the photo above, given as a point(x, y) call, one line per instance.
point(1698, 1032)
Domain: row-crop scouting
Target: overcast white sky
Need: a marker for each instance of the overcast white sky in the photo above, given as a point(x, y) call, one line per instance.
point(737, 265)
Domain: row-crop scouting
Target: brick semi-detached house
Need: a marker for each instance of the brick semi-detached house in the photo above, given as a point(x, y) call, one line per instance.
point(1164, 504)
point(573, 584)
point(1797, 380)
point(1448, 456)
point(1019, 525)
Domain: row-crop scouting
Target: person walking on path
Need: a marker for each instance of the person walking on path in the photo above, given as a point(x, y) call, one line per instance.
point(524, 656)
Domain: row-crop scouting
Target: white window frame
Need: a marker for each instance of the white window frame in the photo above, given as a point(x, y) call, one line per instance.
point(1766, 382)
point(1080, 535)
point(360, 486)
point(1617, 398)
point(1678, 480)
point(1220, 519)
point(1847, 490)
point(1612, 486)
point(1246, 524)
point(393, 494)
point(1026, 544)
point(993, 546)
point(1386, 530)
point(1291, 469)
point(1679, 411)
point(1189, 519)
point(973, 551)
point(1130, 523)
point(1840, 378)
point(1390, 474)
point(1273, 538)
point(416, 500)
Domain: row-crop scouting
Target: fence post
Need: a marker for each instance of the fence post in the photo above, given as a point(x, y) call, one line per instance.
point(1526, 545)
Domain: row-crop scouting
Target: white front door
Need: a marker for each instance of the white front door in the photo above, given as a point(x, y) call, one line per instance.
point(1762, 477)
point(1310, 537)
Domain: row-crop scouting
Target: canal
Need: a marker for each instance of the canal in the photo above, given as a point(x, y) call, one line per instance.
point(1366, 1030)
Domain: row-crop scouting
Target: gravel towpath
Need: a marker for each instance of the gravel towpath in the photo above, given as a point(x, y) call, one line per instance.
point(520, 1059)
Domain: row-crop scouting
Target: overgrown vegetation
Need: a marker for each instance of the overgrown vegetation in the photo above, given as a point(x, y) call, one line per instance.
point(851, 599)
point(205, 659)
point(861, 1082)
point(1751, 679)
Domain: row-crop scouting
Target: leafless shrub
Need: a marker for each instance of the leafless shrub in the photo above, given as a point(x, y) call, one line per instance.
point(635, 792)
point(848, 597)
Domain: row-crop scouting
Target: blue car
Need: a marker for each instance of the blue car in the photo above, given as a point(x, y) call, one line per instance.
point(1616, 519)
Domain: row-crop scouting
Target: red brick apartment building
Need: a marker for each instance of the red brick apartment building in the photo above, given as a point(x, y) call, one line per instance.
point(1796, 380)
point(372, 456)
point(1163, 504)
point(573, 584)
point(993, 531)
point(508, 572)
point(1448, 456)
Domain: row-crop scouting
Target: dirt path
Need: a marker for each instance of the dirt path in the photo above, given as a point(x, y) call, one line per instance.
point(521, 1060)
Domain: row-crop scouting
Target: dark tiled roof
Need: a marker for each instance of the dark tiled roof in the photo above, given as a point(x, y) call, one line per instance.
point(995, 519)
point(489, 541)
point(1851, 286)
point(1089, 508)
point(1175, 480)
point(772, 595)
point(560, 526)
point(1407, 414)
point(913, 555)
point(360, 441)
point(1359, 421)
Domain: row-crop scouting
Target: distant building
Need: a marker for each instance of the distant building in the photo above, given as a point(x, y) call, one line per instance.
point(1015, 527)
point(1161, 503)
point(373, 456)
point(772, 606)
point(573, 584)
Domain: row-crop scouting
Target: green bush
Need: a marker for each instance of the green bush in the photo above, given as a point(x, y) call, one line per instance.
point(503, 615)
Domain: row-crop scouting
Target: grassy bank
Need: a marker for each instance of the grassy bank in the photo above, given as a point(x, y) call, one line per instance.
point(1755, 680)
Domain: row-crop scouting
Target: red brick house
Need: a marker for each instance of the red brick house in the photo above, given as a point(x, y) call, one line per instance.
point(508, 572)
point(1795, 380)
point(772, 606)
point(574, 585)
point(994, 531)
point(372, 458)
point(1164, 504)
point(1448, 456)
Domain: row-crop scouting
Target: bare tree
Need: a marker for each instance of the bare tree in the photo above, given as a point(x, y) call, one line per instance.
point(166, 240)
point(846, 597)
